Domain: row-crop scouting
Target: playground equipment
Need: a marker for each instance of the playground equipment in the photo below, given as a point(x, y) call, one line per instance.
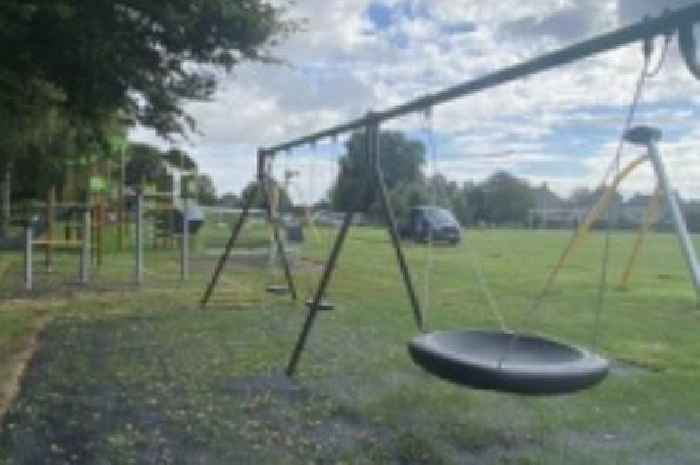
point(499, 360)
point(185, 218)
point(84, 243)
point(262, 187)
point(647, 137)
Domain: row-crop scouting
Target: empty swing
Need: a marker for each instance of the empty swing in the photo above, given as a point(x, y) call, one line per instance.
point(507, 361)
point(276, 251)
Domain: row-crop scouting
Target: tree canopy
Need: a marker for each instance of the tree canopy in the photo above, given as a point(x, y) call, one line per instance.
point(401, 162)
point(140, 58)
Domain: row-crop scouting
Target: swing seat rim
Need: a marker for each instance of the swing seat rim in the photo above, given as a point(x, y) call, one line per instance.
point(446, 354)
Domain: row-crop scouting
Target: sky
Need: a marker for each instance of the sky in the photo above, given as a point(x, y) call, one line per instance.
point(560, 127)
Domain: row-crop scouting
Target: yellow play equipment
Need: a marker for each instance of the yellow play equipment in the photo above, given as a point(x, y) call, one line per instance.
point(651, 216)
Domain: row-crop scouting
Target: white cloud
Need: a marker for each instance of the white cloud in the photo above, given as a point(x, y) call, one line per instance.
point(343, 65)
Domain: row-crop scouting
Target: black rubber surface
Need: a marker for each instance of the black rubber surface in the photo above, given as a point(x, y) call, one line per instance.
point(502, 361)
point(323, 305)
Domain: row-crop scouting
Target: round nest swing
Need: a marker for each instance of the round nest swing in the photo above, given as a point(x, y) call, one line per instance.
point(507, 362)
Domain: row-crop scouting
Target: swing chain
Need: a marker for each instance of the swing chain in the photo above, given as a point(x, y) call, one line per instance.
point(648, 50)
point(613, 169)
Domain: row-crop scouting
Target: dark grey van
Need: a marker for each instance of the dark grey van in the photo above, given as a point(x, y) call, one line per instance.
point(428, 222)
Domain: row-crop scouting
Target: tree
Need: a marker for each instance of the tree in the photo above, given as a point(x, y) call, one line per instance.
point(463, 204)
point(142, 58)
point(285, 202)
point(402, 198)
point(230, 200)
point(180, 159)
point(145, 165)
point(206, 191)
point(507, 198)
point(580, 197)
point(401, 160)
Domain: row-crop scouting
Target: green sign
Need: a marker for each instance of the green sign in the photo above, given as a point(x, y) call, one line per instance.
point(98, 184)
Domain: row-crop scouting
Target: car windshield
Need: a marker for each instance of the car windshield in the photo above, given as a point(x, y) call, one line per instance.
point(440, 215)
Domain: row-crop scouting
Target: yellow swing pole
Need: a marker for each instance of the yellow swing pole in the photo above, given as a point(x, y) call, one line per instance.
point(650, 217)
point(585, 227)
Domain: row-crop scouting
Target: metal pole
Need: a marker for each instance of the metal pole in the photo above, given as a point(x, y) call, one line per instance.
point(185, 246)
point(139, 238)
point(250, 201)
point(684, 239)
point(120, 202)
point(50, 216)
point(28, 238)
point(362, 202)
point(375, 154)
point(647, 29)
point(85, 249)
point(318, 297)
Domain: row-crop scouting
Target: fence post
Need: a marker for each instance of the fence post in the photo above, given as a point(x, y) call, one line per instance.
point(139, 239)
point(85, 248)
point(185, 245)
point(28, 238)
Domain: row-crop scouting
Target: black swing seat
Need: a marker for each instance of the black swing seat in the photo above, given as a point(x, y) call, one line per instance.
point(322, 305)
point(506, 362)
point(277, 289)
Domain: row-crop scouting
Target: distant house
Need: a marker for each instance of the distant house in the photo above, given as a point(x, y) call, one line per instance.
point(551, 211)
point(633, 211)
point(178, 177)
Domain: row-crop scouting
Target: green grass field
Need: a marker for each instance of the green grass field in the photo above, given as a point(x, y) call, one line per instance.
point(129, 375)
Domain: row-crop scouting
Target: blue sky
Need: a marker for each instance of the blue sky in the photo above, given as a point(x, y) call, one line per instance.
point(560, 127)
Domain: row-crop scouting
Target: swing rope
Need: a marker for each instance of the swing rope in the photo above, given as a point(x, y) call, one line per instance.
point(612, 172)
point(474, 260)
point(432, 194)
point(648, 49)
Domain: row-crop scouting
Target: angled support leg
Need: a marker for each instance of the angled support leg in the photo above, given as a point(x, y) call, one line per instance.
point(250, 201)
point(318, 296)
point(374, 183)
point(393, 230)
point(281, 250)
point(329, 268)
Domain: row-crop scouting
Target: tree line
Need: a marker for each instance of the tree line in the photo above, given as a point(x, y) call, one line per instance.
point(500, 199)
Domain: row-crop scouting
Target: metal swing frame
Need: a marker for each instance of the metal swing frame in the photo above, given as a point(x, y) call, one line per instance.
point(259, 187)
point(669, 22)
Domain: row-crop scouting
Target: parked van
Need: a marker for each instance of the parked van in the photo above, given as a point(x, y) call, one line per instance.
point(430, 222)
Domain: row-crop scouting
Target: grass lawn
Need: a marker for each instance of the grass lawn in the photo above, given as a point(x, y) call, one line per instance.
point(129, 375)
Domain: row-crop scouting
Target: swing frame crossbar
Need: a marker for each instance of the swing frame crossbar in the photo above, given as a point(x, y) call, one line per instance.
point(668, 23)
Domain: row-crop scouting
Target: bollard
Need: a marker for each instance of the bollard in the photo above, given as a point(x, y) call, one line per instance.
point(185, 244)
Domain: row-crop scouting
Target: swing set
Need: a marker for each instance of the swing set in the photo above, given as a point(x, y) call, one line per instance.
point(499, 360)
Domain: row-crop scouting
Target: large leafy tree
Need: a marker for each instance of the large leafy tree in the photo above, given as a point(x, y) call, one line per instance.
point(140, 57)
point(145, 165)
point(206, 190)
point(284, 201)
point(507, 199)
point(401, 160)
